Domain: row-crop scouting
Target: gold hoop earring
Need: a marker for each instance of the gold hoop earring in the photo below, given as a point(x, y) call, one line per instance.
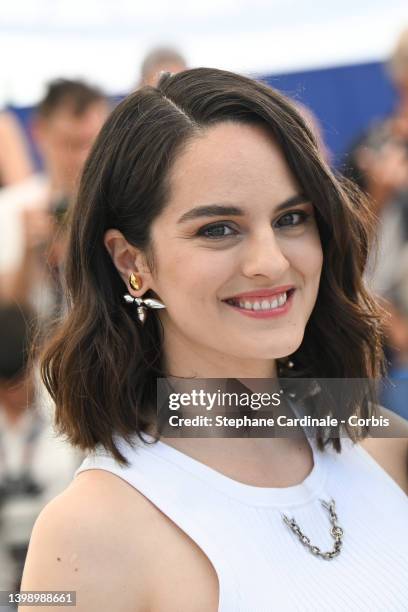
point(135, 282)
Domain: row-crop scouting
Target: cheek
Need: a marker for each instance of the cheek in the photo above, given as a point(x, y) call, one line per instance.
point(306, 257)
point(186, 276)
point(313, 263)
point(316, 261)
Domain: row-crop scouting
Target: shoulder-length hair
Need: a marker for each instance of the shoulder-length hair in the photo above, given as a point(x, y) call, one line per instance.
point(101, 367)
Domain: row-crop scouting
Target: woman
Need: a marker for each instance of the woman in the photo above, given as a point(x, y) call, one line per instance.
point(208, 196)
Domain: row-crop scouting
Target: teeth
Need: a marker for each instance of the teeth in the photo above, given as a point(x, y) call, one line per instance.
point(262, 304)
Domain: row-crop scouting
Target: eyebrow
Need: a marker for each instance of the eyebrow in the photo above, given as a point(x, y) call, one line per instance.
point(216, 210)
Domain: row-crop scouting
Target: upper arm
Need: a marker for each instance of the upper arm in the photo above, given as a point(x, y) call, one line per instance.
point(80, 544)
point(15, 163)
point(391, 453)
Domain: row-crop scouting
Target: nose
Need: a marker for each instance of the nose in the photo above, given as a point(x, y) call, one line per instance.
point(263, 256)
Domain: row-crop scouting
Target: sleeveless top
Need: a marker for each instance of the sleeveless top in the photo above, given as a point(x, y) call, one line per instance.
point(261, 565)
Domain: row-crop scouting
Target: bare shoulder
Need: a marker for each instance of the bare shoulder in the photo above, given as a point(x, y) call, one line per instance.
point(391, 453)
point(93, 539)
point(105, 540)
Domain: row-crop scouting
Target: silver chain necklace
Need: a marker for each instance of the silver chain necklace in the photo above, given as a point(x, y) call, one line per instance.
point(336, 532)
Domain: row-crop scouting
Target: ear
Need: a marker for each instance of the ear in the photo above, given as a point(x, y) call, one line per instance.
point(127, 259)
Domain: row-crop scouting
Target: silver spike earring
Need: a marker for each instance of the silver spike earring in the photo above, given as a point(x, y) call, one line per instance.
point(136, 283)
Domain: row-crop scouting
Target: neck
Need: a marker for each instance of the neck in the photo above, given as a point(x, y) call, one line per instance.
point(13, 414)
point(59, 184)
point(243, 458)
point(184, 360)
point(262, 462)
point(16, 399)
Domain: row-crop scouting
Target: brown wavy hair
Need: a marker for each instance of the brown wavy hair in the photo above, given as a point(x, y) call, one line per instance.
point(100, 366)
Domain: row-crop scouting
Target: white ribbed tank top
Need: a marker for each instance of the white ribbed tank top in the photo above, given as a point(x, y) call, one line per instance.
point(261, 565)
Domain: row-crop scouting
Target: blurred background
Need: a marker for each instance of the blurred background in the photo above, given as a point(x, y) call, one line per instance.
point(65, 64)
point(327, 54)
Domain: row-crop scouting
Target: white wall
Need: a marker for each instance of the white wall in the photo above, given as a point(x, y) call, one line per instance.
point(105, 40)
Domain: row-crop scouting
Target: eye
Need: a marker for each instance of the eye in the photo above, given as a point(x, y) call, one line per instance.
point(217, 230)
point(292, 219)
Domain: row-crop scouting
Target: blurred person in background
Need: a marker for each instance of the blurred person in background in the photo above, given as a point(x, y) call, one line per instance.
point(398, 69)
point(65, 124)
point(15, 161)
point(160, 59)
point(34, 465)
point(378, 162)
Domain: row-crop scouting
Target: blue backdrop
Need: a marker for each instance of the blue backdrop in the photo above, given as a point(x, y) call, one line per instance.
point(346, 99)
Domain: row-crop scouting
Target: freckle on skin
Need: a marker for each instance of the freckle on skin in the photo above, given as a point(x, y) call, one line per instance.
point(58, 558)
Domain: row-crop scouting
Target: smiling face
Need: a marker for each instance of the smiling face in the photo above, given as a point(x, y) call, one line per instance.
point(235, 223)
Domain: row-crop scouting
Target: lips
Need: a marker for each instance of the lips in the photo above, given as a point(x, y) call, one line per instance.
point(264, 303)
point(260, 294)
